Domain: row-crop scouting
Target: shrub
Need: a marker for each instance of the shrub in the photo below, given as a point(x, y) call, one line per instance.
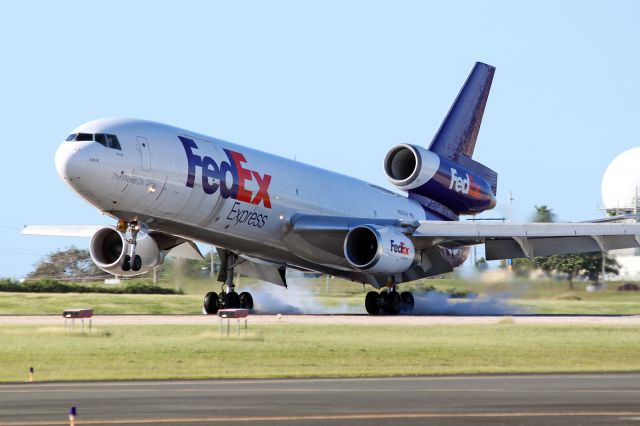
point(55, 286)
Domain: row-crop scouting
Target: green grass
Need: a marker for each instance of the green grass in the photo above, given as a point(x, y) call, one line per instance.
point(621, 306)
point(284, 350)
point(55, 303)
point(541, 297)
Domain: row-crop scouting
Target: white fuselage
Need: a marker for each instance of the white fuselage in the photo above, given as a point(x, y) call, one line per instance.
point(241, 203)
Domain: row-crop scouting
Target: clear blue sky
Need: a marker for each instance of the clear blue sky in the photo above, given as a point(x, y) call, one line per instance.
point(332, 83)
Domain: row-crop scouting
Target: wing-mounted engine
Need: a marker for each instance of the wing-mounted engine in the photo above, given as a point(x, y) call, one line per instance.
point(109, 247)
point(379, 250)
point(420, 171)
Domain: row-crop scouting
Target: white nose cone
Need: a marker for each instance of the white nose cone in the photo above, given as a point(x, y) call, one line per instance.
point(68, 163)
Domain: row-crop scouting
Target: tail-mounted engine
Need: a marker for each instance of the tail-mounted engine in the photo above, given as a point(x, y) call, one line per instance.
point(379, 250)
point(419, 171)
point(109, 247)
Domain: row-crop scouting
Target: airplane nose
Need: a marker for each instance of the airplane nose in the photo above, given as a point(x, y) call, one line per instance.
point(69, 164)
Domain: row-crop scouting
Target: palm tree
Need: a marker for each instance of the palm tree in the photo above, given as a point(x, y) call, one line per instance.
point(543, 214)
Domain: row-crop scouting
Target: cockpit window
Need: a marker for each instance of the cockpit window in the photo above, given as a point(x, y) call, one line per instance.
point(112, 142)
point(101, 139)
point(109, 141)
point(84, 137)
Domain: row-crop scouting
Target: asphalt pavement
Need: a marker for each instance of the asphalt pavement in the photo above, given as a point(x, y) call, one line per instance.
point(549, 399)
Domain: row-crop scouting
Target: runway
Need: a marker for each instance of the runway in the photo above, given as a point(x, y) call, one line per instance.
point(451, 400)
point(99, 320)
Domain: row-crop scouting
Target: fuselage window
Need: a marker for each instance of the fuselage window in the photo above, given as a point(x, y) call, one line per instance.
point(84, 137)
point(112, 142)
point(71, 137)
point(101, 139)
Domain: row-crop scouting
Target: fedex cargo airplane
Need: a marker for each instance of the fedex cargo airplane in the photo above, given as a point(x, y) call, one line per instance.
point(167, 187)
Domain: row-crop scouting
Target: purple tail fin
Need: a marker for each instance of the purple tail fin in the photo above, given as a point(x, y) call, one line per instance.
point(456, 138)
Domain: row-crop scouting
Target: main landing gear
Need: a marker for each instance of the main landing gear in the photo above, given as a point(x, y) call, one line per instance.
point(131, 261)
point(228, 298)
point(389, 301)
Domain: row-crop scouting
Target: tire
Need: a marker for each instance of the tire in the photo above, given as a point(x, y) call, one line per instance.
point(407, 302)
point(231, 300)
point(393, 303)
point(246, 300)
point(137, 263)
point(211, 303)
point(126, 263)
point(371, 303)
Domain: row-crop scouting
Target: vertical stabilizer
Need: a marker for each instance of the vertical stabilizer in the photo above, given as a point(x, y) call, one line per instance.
point(459, 130)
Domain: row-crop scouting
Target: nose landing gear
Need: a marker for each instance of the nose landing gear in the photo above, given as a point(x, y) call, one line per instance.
point(389, 301)
point(131, 261)
point(228, 298)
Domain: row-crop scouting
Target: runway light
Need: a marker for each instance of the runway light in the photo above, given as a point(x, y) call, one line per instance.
point(72, 416)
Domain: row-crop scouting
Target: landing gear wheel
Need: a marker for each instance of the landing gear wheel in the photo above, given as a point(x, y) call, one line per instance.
point(407, 302)
point(126, 263)
point(137, 263)
point(211, 303)
point(246, 300)
point(231, 300)
point(393, 303)
point(371, 303)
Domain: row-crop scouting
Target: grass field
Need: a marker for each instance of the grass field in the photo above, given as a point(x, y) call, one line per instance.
point(50, 303)
point(314, 296)
point(285, 350)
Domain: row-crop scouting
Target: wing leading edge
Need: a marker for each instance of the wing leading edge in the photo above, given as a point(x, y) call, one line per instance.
point(506, 240)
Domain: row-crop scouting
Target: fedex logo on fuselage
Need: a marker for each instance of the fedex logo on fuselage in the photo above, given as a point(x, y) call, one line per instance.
point(399, 248)
point(458, 183)
point(215, 176)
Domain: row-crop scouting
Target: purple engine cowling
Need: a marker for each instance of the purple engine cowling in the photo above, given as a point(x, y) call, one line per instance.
point(419, 171)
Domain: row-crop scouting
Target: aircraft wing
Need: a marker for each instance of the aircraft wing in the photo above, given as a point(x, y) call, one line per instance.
point(501, 240)
point(61, 230)
point(507, 240)
point(173, 246)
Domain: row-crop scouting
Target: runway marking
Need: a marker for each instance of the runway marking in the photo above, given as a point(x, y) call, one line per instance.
point(363, 416)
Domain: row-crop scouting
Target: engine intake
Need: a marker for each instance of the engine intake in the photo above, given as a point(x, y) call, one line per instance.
point(460, 187)
point(378, 249)
point(409, 166)
point(109, 246)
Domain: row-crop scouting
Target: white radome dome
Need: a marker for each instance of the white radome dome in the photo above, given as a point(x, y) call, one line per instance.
point(621, 181)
